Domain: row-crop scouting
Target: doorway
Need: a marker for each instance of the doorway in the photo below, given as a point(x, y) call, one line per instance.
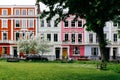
point(15, 51)
point(57, 53)
point(114, 53)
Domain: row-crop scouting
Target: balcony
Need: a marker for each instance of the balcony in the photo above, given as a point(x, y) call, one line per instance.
point(71, 43)
point(7, 41)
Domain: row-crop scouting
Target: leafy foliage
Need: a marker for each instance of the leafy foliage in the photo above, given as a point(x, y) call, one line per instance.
point(95, 12)
point(33, 45)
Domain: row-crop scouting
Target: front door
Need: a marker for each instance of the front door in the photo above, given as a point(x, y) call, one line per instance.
point(57, 53)
point(114, 53)
point(15, 51)
point(64, 53)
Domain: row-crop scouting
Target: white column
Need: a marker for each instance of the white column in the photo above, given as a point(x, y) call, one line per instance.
point(11, 50)
point(111, 53)
point(12, 29)
point(118, 51)
point(61, 48)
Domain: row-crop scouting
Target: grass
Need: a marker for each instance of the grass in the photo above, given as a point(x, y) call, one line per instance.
point(56, 71)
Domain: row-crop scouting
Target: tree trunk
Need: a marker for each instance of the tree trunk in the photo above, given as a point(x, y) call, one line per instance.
point(102, 45)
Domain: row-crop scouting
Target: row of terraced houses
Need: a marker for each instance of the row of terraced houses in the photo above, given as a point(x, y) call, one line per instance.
point(69, 38)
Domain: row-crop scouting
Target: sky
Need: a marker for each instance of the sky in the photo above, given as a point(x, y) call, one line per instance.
point(21, 2)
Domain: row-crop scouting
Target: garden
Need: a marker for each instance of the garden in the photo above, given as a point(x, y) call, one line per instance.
point(78, 70)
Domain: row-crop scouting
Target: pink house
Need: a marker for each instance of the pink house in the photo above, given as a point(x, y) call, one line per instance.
point(72, 37)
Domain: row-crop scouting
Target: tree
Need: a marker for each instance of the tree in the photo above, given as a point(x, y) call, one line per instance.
point(43, 45)
point(33, 45)
point(95, 12)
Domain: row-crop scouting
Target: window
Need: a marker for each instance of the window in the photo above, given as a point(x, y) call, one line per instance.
point(49, 37)
point(17, 23)
point(76, 50)
point(80, 23)
point(66, 37)
point(66, 23)
point(91, 38)
point(73, 38)
point(96, 39)
point(42, 23)
point(30, 12)
point(23, 12)
point(55, 24)
point(23, 35)
point(94, 51)
point(31, 23)
point(24, 24)
point(4, 50)
point(55, 37)
point(115, 37)
point(73, 23)
point(4, 23)
point(79, 38)
point(31, 35)
point(4, 35)
point(4, 12)
point(17, 35)
point(17, 12)
point(48, 24)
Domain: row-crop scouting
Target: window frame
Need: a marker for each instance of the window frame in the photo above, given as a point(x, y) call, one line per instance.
point(6, 25)
point(49, 37)
point(29, 11)
point(24, 23)
point(66, 22)
point(73, 23)
point(3, 12)
point(5, 36)
point(80, 21)
point(55, 37)
point(29, 23)
point(16, 12)
point(17, 23)
point(94, 51)
point(80, 40)
point(23, 12)
point(76, 52)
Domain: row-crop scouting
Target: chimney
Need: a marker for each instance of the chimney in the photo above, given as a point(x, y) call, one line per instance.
point(38, 6)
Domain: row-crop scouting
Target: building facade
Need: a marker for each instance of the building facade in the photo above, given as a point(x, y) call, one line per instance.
point(16, 22)
point(72, 37)
point(51, 32)
point(113, 42)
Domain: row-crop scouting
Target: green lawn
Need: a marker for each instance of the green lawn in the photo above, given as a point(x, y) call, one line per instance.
point(56, 71)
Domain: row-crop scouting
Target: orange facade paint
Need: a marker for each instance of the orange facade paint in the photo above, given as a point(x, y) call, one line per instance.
point(11, 28)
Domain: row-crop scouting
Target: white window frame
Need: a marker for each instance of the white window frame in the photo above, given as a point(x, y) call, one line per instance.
point(3, 24)
point(48, 23)
point(19, 23)
point(42, 23)
point(29, 24)
point(80, 38)
point(81, 23)
point(3, 36)
point(96, 51)
point(115, 39)
point(3, 11)
point(56, 40)
point(24, 23)
point(73, 23)
point(67, 23)
point(16, 10)
point(29, 10)
point(76, 51)
point(15, 35)
point(23, 12)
